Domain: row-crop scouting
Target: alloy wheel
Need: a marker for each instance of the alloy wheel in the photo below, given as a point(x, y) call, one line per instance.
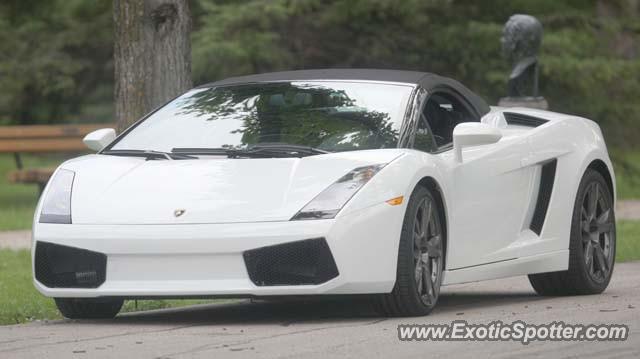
point(597, 232)
point(427, 249)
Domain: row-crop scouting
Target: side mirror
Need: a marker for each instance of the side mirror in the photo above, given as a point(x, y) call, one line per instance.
point(469, 134)
point(99, 139)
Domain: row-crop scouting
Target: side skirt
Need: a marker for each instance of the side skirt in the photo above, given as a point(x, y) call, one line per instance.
point(540, 263)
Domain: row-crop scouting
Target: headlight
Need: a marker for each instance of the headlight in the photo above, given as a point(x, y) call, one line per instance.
point(330, 201)
point(56, 207)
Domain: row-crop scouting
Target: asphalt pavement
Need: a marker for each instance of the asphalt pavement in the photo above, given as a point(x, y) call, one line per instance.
point(338, 328)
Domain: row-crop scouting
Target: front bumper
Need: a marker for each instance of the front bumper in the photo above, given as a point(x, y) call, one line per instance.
point(191, 260)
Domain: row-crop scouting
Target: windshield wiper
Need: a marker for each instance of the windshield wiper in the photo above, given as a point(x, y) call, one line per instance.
point(288, 148)
point(263, 150)
point(203, 151)
point(149, 154)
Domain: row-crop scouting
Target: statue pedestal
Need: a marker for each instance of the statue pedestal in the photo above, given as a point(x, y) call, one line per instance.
point(531, 102)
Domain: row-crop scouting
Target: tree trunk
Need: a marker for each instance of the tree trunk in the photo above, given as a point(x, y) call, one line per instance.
point(152, 55)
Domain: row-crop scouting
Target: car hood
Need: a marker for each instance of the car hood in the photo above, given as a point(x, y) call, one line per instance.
point(131, 190)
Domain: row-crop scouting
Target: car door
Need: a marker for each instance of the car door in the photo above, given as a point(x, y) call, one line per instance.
point(489, 190)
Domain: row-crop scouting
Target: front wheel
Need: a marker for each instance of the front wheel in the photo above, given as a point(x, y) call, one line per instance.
point(74, 308)
point(420, 259)
point(592, 247)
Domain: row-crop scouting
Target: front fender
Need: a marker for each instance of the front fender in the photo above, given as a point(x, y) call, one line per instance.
point(400, 178)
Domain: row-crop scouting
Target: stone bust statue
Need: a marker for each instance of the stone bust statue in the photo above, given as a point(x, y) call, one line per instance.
point(521, 39)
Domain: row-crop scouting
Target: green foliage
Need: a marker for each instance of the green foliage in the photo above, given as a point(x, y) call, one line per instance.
point(55, 61)
point(18, 201)
point(331, 119)
point(627, 168)
point(256, 36)
point(55, 56)
point(582, 71)
point(628, 241)
point(22, 303)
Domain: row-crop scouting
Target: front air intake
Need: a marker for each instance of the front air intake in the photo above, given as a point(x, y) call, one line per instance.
point(305, 262)
point(58, 266)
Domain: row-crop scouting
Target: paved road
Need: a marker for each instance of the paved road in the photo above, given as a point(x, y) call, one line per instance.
point(628, 209)
point(336, 328)
point(15, 239)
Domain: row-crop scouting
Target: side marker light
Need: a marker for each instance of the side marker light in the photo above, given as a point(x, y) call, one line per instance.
point(395, 201)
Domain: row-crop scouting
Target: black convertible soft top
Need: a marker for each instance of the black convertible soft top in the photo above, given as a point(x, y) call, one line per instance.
point(427, 80)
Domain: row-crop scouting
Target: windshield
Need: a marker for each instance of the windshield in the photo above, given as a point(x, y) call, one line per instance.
point(329, 116)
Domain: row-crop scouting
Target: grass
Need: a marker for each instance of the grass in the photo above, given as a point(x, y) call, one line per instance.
point(627, 168)
point(17, 201)
point(20, 302)
point(628, 241)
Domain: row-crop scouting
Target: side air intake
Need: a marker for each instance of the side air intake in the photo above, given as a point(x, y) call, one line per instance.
point(295, 263)
point(59, 266)
point(547, 179)
point(519, 119)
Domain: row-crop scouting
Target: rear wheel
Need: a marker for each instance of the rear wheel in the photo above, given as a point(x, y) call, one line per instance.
point(420, 259)
point(73, 308)
point(592, 247)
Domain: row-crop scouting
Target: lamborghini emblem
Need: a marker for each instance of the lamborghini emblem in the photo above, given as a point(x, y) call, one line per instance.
point(178, 212)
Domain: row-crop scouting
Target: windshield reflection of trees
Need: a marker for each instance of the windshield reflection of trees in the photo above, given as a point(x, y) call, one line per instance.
point(310, 115)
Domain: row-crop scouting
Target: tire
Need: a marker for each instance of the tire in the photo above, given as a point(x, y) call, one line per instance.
point(73, 308)
point(593, 229)
point(419, 257)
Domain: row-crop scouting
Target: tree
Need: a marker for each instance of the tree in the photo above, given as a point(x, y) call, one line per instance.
point(56, 56)
point(56, 61)
point(152, 55)
point(589, 62)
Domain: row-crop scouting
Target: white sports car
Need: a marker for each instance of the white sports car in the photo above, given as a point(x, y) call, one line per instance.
point(378, 182)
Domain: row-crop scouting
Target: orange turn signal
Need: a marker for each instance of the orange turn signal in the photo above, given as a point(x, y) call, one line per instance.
point(395, 201)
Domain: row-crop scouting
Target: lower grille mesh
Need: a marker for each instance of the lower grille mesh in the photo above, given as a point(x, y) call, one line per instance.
point(58, 266)
point(296, 263)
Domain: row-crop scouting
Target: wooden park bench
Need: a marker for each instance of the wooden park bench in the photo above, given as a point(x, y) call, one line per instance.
point(42, 139)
